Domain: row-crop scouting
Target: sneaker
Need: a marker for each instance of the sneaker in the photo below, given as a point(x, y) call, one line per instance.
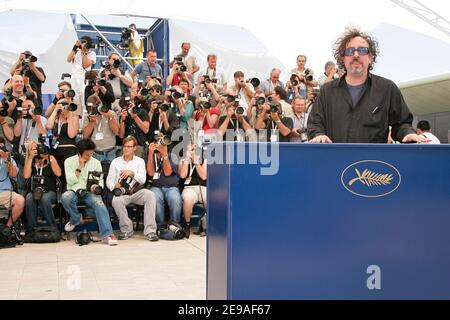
point(69, 227)
point(187, 230)
point(152, 236)
point(110, 240)
point(125, 235)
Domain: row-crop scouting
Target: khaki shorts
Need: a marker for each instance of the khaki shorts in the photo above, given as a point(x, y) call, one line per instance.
point(193, 193)
point(5, 201)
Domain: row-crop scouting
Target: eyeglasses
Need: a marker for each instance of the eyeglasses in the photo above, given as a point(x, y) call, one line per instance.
point(128, 147)
point(362, 51)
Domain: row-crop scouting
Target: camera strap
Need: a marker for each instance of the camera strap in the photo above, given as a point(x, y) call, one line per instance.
point(39, 170)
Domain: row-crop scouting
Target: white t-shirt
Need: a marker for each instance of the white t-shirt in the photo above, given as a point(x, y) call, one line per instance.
point(77, 65)
point(432, 137)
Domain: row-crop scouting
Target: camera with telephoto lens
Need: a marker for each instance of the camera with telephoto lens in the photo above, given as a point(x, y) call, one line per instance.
point(164, 107)
point(127, 187)
point(92, 184)
point(69, 93)
point(37, 187)
point(85, 44)
point(239, 111)
point(260, 101)
point(254, 82)
point(308, 75)
point(69, 106)
point(3, 111)
point(204, 105)
point(294, 80)
point(100, 82)
point(273, 107)
point(207, 80)
point(178, 231)
point(175, 95)
point(161, 139)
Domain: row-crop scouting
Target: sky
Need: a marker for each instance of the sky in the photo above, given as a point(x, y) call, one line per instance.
point(286, 28)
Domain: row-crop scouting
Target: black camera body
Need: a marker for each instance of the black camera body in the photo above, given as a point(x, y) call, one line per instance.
point(92, 184)
point(41, 148)
point(38, 187)
point(69, 106)
point(128, 186)
point(204, 105)
point(308, 75)
point(207, 79)
point(125, 37)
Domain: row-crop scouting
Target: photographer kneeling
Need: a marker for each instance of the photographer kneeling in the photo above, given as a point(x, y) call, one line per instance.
point(85, 186)
point(42, 169)
point(126, 179)
point(193, 169)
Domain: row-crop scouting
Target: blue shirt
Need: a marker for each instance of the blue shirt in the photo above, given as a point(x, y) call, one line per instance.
point(5, 182)
point(143, 70)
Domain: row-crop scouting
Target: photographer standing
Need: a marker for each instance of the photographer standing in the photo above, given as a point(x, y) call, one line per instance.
point(126, 179)
point(306, 75)
point(82, 59)
point(36, 75)
point(189, 60)
point(42, 169)
point(242, 89)
point(165, 117)
point(102, 127)
point(217, 75)
point(148, 68)
point(18, 92)
point(8, 198)
point(280, 96)
point(298, 133)
point(234, 125)
point(177, 73)
point(268, 86)
point(99, 87)
point(276, 127)
point(136, 45)
point(134, 121)
point(165, 182)
point(64, 124)
point(116, 77)
point(64, 92)
point(193, 168)
point(78, 170)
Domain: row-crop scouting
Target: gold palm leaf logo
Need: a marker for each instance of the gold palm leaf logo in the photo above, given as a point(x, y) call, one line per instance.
point(370, 179)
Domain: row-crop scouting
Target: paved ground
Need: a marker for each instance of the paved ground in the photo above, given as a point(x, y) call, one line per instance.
point(135, 269)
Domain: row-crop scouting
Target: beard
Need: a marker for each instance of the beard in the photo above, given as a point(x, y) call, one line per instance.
point(356, 70)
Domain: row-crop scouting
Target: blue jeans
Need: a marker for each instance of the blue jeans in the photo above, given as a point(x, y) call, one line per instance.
point(106, 157)
point(45, 204)
point(70, 201)
point(173, 197)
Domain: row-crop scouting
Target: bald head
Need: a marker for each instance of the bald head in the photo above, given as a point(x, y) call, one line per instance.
point(17, 84)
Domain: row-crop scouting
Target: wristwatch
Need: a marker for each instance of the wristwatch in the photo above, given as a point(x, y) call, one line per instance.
point(164, 158)
point(77, 170)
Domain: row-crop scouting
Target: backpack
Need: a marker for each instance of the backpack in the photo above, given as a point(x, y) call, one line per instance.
point(9, 237)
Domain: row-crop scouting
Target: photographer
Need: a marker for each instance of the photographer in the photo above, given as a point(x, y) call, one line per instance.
point(102, 127)
point(243, 89)
point(193, 168)
point(331, 73)
point(64, 92)
point(177, 73)
point(255, 106)
point(8, 198)
point(65, 125)
point(306, 75)
point(206, 115)
point(26, 63)
point(272, 123)
point(189, 60)
point(42, 169)
point(268, 86)
point(298, 133)
point(148, 68)
point(294, 88)
point(126, 179)
point(82, 59)
point(18, 92)
point(135, 121)
point(6, 127)
point(79, 171)
point(167, 114)
point(234, 125)
point(116, 77)
point(217, 75)
point(165, 182)
point(280, 96)
point(136, 45)
point(99, 87)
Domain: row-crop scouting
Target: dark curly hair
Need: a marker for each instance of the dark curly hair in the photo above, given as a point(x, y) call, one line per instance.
point(350, 33)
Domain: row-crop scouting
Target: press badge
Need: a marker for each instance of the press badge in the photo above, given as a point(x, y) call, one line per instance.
point(274, 136)
point(156, 176)
point(188, 181)
point(99, 136)
point(55, 146)
point(239, 138)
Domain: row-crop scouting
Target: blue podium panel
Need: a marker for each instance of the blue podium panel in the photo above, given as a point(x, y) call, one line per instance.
point(335, 222)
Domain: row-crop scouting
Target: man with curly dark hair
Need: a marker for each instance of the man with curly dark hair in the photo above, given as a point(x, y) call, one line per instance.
point(360, 106)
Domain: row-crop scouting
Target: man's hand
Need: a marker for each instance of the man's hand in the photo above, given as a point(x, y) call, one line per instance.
point(162, 150)
point(115, 72)
point(124, 115)
point(415, 138)
point(275, 116)
point(125, 174)
point(93, 118)
point(321, 139)
point(117, 185)
point(295, 132)
point(152, 148)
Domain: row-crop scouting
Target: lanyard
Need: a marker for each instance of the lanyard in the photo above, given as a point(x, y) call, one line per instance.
point(39, 172)
point(100, 125)
point(160, 123)
point(156, 163)
point(28, 130)
point(192, 168)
